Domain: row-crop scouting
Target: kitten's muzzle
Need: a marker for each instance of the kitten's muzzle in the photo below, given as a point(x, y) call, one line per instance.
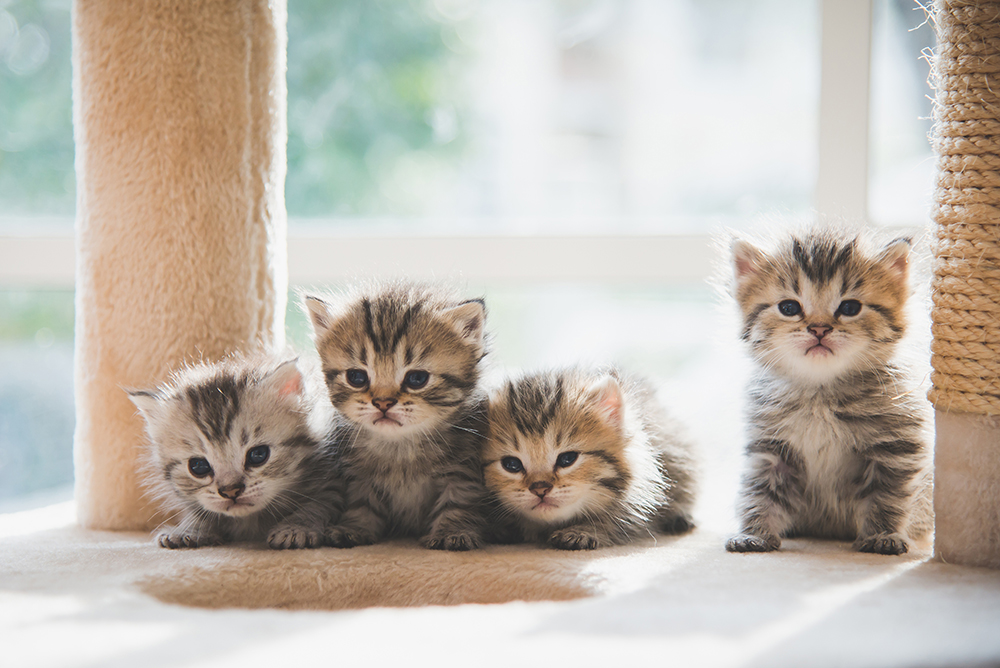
point(384, 403)
point(540, 488)
point(232, 492)
point(819, 331)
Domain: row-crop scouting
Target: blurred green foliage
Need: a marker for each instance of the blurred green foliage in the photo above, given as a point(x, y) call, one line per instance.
point(36, 118)
point(371, 86)
point(43, 315)
point(369, 83)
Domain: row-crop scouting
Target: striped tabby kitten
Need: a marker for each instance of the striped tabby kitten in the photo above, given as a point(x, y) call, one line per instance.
point(402, 364)
point(585, 459)
point(242, 450)
point(837, 447)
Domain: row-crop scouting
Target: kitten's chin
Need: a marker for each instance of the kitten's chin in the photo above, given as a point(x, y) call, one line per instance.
point(548, 511)
point(818, 367)
point(236, 509)
point(388, 429)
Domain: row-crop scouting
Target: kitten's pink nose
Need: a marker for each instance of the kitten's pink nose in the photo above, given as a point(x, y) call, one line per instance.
point(232, 492)
point(819, 331)
point(384, 404)
point(540, 488)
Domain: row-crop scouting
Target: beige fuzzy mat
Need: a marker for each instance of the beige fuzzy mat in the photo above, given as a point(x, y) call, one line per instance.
point(70, 597)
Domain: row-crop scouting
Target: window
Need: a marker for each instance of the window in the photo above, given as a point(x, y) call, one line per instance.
point(566, 157)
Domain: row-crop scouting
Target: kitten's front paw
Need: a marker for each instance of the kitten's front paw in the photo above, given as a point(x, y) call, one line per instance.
point(455, 542)
point(343, 537)
point(290, 537)
point(746, 542)
point(176, 539)
point(882, 543)
point(677, 524)
point(573, 539)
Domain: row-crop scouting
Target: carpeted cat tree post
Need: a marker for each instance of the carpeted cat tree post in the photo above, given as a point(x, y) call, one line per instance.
point(179, 114)
point(966, 314)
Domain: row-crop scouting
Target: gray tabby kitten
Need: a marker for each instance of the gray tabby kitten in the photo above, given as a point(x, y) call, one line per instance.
point(242, 450)
point(838, 444)
point(584, 459)
point(402, 365)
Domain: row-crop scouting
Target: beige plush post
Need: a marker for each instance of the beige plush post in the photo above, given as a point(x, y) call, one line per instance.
point(966, 314)
point(179, 113)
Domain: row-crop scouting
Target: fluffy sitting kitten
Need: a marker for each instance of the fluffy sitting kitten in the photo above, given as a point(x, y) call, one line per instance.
point(243, 451)
point(837, 445)
point(402, 365)
point(585, 459)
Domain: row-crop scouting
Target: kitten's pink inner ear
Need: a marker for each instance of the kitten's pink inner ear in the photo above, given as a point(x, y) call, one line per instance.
point(468, 320)
point(292, 385)
point(288, 379)
point(319, 314)
point(897, 257)
point(607, 395)
point(146, 402)
point(745, 260)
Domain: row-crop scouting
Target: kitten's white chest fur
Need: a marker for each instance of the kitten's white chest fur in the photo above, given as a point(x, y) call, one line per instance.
point(410, 498)
point(821, 438)
point(826, 448)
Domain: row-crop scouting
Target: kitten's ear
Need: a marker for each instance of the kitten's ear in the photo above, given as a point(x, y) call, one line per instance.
point(895, 257)
point(147, 401)
point(469, 320)
point(747, 260)
point(286, 380)
point(606, 396)
point(319, 314)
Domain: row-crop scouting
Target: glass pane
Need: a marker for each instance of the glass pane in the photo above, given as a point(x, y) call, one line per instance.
point(36, 394)
point(902, 165)
point(569, 115)
point(36, 130)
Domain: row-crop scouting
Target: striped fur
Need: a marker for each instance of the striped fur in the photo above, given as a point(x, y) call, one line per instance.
point(838, 443)
point(631, 473)
point(220, 413)
point(411, 453)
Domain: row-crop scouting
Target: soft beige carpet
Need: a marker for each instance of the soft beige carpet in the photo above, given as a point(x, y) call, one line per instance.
point(70, 597)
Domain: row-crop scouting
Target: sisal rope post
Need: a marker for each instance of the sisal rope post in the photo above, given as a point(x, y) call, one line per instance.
point(179, 118)
point(966, 284)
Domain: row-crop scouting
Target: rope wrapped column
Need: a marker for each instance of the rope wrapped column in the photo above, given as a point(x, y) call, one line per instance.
point(966, 283)
point(179, 116)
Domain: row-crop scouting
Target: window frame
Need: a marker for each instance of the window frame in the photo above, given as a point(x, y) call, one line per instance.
point(40, 252)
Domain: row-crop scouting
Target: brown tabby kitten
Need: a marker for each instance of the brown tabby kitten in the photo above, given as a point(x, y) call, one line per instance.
point(585, 459)
point(242, 450)
point(402, 364)
point(838, 445)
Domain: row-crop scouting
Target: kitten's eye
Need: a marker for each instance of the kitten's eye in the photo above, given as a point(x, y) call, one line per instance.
point(416, 379)
point(789, 307)
point(512, 464)
point(256, 456)
point(199, 467)
point(357, 377)
point(566, 459)
point(849, 307)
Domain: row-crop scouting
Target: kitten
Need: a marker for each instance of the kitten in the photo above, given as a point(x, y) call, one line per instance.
point(838, 446)
point(242, 450)
point(585, 459)
point(402, 365)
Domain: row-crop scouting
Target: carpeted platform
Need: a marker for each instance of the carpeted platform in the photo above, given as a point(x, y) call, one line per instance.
point(70, 597)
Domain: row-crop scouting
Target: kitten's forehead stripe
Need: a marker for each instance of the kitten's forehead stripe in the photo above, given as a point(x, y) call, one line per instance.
point(214, 405)
point(404, 325)
point(534, 403)
point(366, 306)
point(822, 259)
